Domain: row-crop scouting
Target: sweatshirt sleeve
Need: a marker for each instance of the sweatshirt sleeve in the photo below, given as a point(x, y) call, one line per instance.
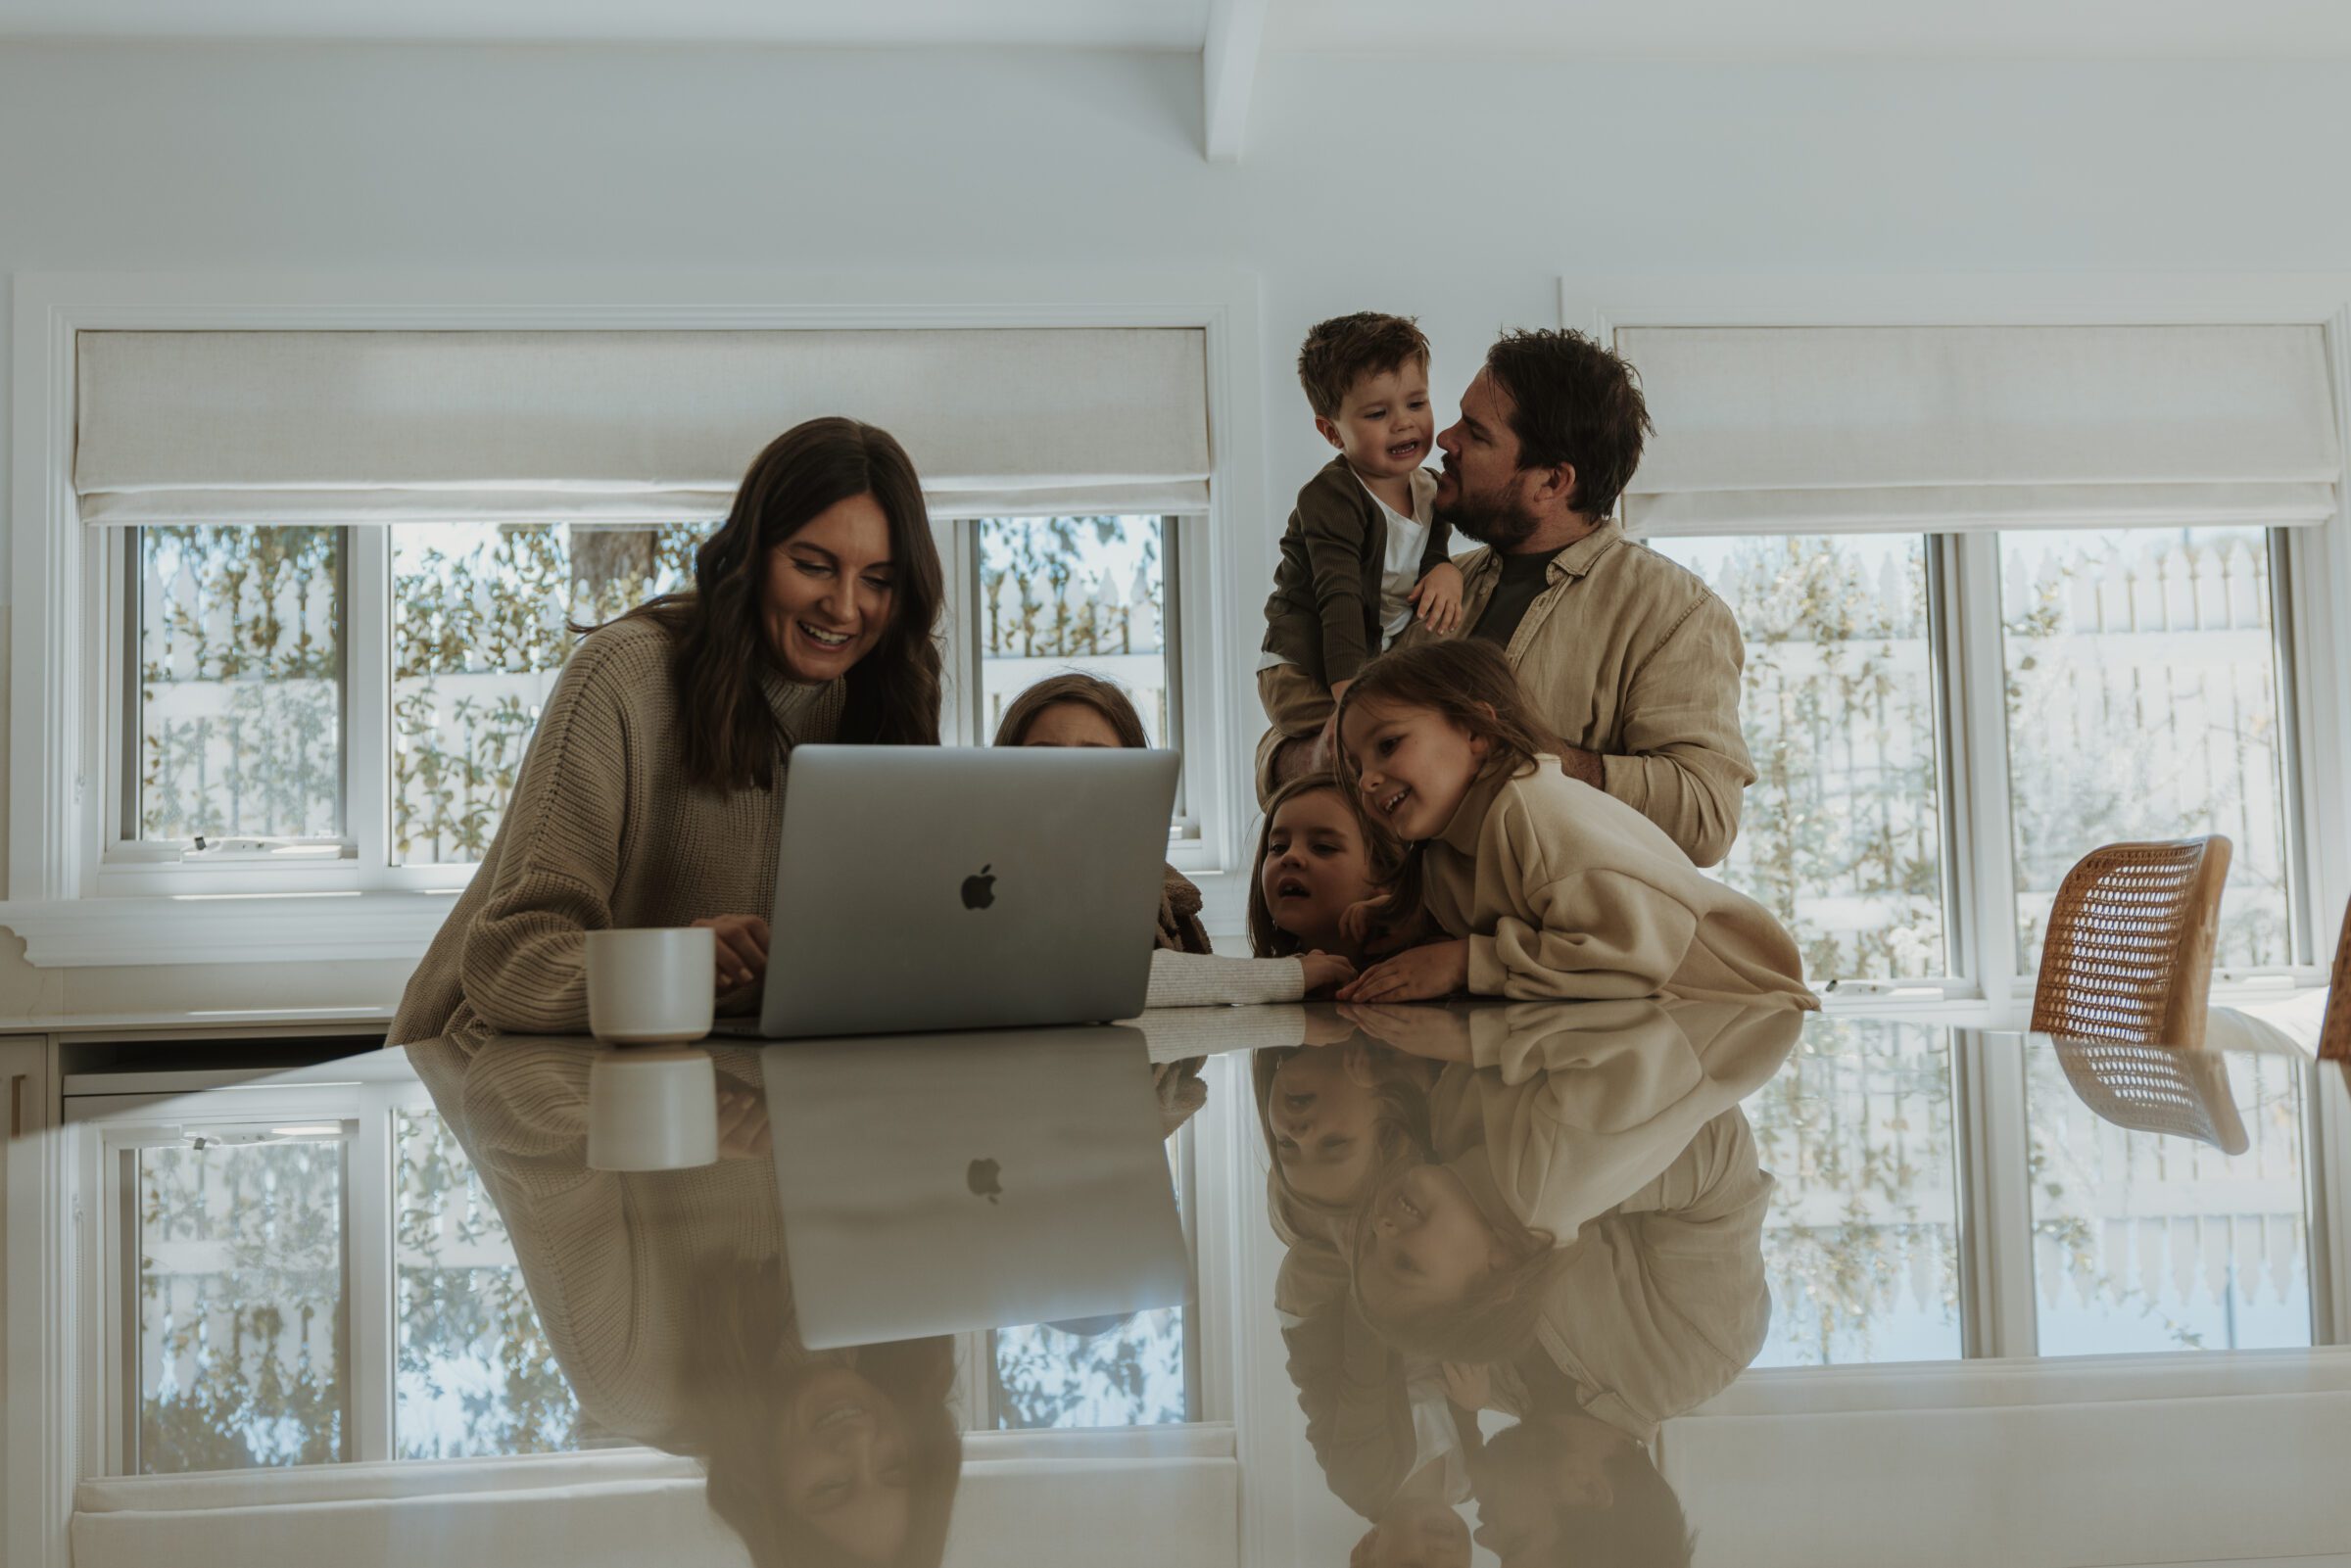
point(1686, 765)
point(1208, 979)
point(1335, 547)
point(1597, 935)
point(524, 964)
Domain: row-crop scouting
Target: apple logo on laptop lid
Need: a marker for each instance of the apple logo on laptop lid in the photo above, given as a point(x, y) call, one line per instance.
point(980, 890)
point(980, 1177)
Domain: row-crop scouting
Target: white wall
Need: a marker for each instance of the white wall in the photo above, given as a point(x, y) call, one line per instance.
point(1457, 191)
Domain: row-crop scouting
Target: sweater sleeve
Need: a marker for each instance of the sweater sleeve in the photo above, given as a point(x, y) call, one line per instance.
point(524, 964)
point(1208, 979)
point(1686, 765)
point(1335, 549)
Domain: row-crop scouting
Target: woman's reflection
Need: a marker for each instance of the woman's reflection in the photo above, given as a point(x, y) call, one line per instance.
point(666, 1299)
point(843, 1456)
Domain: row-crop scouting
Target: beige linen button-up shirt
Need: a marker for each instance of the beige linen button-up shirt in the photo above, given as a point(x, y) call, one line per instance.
point(1630, 655)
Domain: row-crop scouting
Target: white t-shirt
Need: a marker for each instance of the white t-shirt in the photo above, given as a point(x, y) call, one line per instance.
point(1407, 536)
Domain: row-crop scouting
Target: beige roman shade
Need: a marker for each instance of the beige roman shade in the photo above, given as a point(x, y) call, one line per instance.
point(621, 427)
point(1846, 429)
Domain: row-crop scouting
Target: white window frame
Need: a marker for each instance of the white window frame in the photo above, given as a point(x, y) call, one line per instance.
point(1989, 986)
point(74, 907)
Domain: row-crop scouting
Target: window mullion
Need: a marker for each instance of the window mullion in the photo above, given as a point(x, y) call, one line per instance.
point(368, 1252)
point(1984, 866)
point(1999, 1317)
point(368, 698)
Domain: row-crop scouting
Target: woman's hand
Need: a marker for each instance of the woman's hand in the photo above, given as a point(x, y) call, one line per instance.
point(742, 951)
point(1326, 971)
point(1415, 975)
point(1435, 1033)
point(742, 1122)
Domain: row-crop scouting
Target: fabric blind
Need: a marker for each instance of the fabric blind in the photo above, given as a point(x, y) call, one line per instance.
point(621, 427)
point(1845, 429)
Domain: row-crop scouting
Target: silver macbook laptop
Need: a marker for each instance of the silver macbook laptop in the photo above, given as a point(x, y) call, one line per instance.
point(928, 887)
point(933, 1185)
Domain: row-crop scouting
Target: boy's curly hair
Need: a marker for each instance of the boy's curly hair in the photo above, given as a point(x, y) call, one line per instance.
point(1342, 351)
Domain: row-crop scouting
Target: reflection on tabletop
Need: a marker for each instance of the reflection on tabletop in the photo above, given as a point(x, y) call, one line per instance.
point(1549, 1212)
point(1512, 1240)
point(671, 1298)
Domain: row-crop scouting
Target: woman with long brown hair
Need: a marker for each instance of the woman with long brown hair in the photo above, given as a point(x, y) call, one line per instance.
point(650, 794)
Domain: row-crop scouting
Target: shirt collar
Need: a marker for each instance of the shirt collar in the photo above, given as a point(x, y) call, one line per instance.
point(1581, 556)
point(1460, 834)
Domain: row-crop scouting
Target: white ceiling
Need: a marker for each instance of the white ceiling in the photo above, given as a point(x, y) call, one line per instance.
point(1662, 28)
point(1075, 24)
point(1747, 29)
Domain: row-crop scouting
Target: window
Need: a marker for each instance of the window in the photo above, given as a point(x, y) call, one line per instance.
point(1076, 592)
point(2142, 695)
point(357, 701)
point(1863, 1244)
point(237, 1247)
point(1133, 1370)
point(236, 724)
point(2193, 1234)
point(481, 623)
point(477, 1375)
point(254, 1331)
point(2142, 703)
point(1842, 835)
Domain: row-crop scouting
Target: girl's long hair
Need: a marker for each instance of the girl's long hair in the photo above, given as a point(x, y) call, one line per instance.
point(1401, 1122)
point(1383, 854)
point(1495, 1324)
point(1470, 684)
point(727, 732)
point(744, 1361)
point(1106, 697)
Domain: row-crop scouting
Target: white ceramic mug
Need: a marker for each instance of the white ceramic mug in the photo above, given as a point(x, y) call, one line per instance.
point(652, 1109)
point(652, 987)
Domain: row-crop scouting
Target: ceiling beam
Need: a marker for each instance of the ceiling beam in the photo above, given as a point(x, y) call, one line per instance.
point(1228, 59)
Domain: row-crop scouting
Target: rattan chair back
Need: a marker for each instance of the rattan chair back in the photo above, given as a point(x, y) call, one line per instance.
point(2154, 1088)
point(2126, 953)
point(2335, 1034)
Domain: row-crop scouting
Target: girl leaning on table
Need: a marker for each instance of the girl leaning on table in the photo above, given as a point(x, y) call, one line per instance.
point(1534, 886)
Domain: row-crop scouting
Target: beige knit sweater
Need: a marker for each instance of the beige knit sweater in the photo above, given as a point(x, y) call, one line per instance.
point(603, 831)
point(611, 1261)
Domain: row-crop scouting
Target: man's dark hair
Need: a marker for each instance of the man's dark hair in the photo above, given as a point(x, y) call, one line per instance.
point(1342, 351)
point(1574, 402)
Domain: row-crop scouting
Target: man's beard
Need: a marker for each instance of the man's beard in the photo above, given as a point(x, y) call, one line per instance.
point(1490, 520)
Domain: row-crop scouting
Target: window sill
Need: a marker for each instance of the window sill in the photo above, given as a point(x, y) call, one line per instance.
point(227, 927)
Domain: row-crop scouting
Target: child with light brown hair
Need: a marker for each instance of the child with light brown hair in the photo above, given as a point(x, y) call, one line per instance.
point(1364, 554)
point(1544, 887)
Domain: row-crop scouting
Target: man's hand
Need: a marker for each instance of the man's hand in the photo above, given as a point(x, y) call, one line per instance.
point(1439, 596)
point(1415, 975)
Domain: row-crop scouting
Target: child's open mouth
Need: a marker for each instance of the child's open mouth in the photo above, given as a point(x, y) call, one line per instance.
point(1290, 887)
point(1405, 449)
point(1388, 807)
